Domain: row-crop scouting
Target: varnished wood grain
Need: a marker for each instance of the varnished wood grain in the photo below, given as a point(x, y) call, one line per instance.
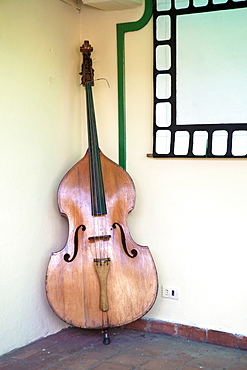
point(73, 288)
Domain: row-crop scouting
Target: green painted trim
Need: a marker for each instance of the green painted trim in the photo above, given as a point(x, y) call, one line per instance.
point(121, 29)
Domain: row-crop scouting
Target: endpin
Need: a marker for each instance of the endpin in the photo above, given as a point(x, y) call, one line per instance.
point(106, 339)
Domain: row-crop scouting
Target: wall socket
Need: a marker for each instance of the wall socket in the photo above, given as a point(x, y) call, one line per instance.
point(171, 293)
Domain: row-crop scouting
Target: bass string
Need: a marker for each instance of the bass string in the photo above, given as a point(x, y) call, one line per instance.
point(92, 160)
point(96, 175)
point(99, 244)
point(99, 219)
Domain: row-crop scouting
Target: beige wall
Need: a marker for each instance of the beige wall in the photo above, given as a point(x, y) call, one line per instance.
point(39, 141)
point(191, 213)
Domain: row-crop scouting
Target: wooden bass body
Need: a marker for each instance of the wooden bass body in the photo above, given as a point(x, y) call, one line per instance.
point(74, 288)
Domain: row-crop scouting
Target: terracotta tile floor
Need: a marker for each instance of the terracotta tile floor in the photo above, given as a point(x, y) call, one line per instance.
point(77, 349)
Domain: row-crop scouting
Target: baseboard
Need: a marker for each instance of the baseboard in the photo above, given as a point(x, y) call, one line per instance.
point(190, 332)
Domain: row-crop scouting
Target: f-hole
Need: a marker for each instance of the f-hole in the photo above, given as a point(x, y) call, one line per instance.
point(133, 251)
point(67, 255)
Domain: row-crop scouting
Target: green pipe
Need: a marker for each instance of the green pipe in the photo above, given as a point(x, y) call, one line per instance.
point(121, 29)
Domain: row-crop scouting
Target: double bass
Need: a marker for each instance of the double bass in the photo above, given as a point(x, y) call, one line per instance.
point(101, 278)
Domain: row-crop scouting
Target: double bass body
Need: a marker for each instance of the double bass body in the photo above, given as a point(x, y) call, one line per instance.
point(101, 278)
point(73, 288)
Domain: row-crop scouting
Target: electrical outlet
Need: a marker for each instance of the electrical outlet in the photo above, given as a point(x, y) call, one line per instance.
point(171, 293)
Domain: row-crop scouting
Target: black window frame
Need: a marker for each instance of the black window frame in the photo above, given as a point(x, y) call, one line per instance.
point(173, 13)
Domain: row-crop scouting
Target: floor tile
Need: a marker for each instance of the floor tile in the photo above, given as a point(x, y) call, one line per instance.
point(78, 349)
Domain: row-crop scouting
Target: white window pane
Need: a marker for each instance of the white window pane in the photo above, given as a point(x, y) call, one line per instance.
point(163, 141)
point(219, 1)
point(163, 57)
point(181, 4)
point(219, 142)
point(163, 86)
point(211, 67)
point(200, 2)
point(181, 146)
point(200, 143)
point(163, 5)
point(163, 114)
point(163, 27)
point(239, 142)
